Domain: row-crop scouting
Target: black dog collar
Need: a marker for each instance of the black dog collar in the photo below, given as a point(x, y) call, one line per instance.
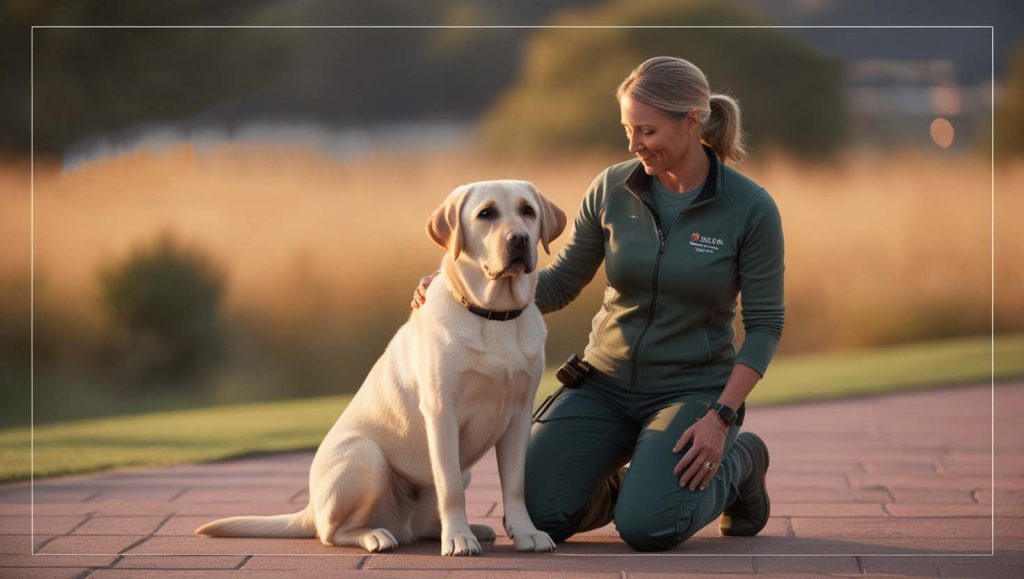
point(485, 313)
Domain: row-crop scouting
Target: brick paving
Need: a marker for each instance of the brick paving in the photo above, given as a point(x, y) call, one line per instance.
point(897, 486)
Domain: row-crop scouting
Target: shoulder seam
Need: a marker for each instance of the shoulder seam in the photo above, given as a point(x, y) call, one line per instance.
point(753, 201)
point(727, 194)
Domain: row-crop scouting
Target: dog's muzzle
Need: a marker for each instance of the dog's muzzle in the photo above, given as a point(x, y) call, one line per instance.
point(517, 251)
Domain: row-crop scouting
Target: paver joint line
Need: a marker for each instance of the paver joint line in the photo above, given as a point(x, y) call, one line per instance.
point(135, 544)
point(162, 523)
point(362, 562)
point(86, 519)
point(94, 495)
point(243, 562)
point(178, 494)
point(35, 550)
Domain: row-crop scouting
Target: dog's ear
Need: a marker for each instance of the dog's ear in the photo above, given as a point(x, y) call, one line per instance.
point(444, 225)
point(552, 219)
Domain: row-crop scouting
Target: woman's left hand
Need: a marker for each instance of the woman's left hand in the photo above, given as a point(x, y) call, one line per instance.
point(708, 437)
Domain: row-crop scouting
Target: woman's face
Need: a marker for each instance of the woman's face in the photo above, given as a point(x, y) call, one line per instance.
point(660, 141)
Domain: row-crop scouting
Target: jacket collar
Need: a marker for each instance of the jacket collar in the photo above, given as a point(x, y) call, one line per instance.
point(639, 182)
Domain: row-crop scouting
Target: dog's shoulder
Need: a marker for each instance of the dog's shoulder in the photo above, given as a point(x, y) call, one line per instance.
point(532, 332)
point(444, 319)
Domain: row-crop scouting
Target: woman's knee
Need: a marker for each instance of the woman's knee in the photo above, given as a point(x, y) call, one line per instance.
point(645, 525)
point(558, 524)
point(548, 513)
point(651, 533)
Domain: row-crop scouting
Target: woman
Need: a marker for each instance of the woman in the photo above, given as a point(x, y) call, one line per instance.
point(681, 235)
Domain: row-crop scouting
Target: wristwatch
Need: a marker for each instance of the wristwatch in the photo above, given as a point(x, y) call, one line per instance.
point(728, 415)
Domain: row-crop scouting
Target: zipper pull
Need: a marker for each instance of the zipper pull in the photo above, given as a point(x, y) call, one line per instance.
point(661, 243)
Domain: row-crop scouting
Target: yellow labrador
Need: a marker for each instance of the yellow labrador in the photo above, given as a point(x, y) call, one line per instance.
point(457, 379)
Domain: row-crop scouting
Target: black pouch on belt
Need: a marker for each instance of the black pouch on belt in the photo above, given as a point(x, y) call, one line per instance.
point(572, 373)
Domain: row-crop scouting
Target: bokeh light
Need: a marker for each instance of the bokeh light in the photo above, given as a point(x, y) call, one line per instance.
point(942, 132)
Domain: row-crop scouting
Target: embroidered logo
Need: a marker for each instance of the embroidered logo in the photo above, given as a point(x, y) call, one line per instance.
point(705, 243)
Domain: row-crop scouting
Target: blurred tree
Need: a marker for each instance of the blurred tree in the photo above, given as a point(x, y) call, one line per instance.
point(564, 98)
point(92, 79)
point(16, 350)
point(163, 301)
point(1010, 110)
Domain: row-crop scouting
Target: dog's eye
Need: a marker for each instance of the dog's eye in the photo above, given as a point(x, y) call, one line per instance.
point(487, 214)
point(527, 211)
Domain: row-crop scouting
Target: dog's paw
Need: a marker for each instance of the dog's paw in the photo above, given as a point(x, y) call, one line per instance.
point(459, 545)
point(483, 533)
point(378, 541)
point(533, 541)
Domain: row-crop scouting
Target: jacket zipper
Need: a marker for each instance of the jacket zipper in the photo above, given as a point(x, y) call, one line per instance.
point(662, 239)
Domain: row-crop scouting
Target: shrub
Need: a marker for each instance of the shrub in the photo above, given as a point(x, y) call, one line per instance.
point(163, 303)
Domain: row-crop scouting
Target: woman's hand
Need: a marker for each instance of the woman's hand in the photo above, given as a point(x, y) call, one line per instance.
point(701, 462)
point(419, 296)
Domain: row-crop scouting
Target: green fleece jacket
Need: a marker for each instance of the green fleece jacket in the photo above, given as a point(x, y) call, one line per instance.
point(666, 320)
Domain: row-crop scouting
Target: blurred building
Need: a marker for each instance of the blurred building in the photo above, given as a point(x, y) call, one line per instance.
point(915, 102)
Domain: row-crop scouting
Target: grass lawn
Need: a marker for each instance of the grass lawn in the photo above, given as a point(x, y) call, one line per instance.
point(212, 433)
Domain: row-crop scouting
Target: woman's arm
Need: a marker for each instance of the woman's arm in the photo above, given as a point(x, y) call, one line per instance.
point(761, 269)
point(575, 265)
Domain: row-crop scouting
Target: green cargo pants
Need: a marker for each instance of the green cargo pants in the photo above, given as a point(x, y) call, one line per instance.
point(582, 436)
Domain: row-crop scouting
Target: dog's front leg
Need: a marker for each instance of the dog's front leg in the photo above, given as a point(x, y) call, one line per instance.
point(511, 451)
point(443, 441)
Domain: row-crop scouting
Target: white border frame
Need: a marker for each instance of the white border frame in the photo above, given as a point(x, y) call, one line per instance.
point(32, 331)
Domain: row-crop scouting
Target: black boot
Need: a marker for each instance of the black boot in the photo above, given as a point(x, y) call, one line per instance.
point(749, 513)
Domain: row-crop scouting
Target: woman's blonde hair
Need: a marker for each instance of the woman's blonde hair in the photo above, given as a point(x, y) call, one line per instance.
point(677, 87)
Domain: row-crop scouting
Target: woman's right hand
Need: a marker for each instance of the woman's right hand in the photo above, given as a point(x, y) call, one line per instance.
point(419, 296)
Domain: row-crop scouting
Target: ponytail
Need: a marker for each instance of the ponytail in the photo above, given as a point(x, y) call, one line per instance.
point(722, 130)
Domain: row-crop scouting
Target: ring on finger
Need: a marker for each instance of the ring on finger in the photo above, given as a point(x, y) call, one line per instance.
point(708, 465)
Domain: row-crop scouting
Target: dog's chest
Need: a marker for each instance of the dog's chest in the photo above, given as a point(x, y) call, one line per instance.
point(500, 353)
point(497, 383)
point(485, 406)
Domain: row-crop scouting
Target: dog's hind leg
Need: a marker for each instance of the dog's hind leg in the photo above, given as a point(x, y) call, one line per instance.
point(353, 501)
point(426, 523)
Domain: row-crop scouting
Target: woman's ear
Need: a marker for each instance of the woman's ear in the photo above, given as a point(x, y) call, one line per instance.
point(693, 121)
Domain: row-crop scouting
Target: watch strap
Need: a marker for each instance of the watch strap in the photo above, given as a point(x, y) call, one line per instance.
point(728, 415)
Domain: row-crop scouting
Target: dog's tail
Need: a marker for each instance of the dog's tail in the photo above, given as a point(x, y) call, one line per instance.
point(294, 525)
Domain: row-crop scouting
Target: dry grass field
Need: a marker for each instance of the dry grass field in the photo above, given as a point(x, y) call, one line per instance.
point(321, 254)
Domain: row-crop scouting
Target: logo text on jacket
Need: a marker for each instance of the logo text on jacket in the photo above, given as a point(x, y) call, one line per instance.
point(705, 243)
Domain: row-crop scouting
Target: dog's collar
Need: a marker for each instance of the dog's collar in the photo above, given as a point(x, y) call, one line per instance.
point(485, 313)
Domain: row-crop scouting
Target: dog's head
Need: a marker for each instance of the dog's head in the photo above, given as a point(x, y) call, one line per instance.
point(496, 224)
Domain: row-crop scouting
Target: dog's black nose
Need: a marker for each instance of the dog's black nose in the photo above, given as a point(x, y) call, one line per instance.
point(517, 239)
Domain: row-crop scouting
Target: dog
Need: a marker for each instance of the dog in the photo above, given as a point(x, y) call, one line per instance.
point(452, 384)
